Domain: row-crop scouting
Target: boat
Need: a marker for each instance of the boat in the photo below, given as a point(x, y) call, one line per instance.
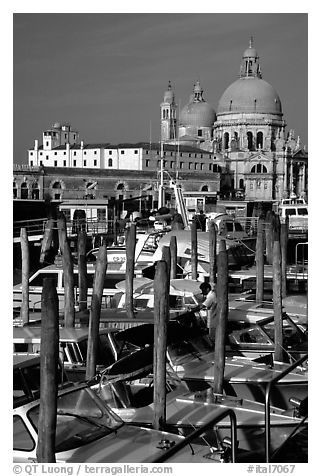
point(296, 211)
point(190, 357)
point(295, 306)
point(238, 254)
point(88, 431)
point(128, 388)
point(73, 344)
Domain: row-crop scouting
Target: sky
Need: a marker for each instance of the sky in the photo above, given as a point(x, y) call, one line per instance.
point(106, 73)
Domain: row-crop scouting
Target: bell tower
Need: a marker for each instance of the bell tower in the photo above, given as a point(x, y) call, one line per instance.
point(168, 112)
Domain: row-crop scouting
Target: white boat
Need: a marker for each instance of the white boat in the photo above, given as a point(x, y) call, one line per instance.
point(130, 394)
point(296, 210)
point(238, 254)
point(87, 431)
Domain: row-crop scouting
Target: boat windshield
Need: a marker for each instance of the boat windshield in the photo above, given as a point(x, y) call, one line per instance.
point(80, 419)
point(186, 350)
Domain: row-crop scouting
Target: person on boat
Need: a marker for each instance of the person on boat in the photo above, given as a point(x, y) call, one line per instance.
point(209, 304)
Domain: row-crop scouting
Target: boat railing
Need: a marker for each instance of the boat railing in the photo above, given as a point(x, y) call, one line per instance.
point(33, 227)
point(219, 416)
point(301, 266)
point(268, 389)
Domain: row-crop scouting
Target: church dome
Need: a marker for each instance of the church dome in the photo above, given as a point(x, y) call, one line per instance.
point(197, 112)
point(250, 95)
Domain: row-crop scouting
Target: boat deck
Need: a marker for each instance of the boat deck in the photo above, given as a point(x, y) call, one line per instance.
point(245, 279)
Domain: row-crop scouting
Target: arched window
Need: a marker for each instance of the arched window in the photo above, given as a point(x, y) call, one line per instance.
point(204, 188)
point(57, 190)
point(110, 162)
point(120, 186)
point(15, 190)
point(259, 140)
point(258, 169)
point(226, 140)
point(24, 190)
point(216, 168)
point(249, 140)
point(35, 191)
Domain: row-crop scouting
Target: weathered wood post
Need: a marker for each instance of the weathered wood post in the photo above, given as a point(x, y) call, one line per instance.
point(166, 256)
point(49, 355)
point(161, 316)
point(25, 268)
point(82, 270)
point(277, 291)
point(62, 230)
point(259, 259)
point(94, 316)
point(194, 250)
point(47, 239)
point(212, 251)
point(221, 316)
point(269, 237)
point(130, 267)
point(284, 252)
point(68, 267)
point(173, 252)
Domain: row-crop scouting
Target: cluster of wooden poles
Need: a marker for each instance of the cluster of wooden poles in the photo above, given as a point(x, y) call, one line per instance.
point(271, 242)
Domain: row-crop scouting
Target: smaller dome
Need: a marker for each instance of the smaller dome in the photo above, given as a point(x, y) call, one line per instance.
point(199, 114)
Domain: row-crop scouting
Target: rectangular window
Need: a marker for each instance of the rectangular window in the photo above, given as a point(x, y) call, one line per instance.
point(265, 185)
point(65, 153)
point(210, 167)
point(85, 163)
point(135, 151)
point(181, 165)
point(110, 152)
point(202, 166)
point(95, 163)
point(147, 163)
point(47, 143)
point(190, 165)
point(85, 153)
point(31, 162)
point(40, 153)
point(122, 152)
point(95, 152)
point(158, 163)
point(55, 163)
point(47, 157)
point(146, 152)
point(55, 153)
point(172, 164)
point(65, 163)
point(75, 163)
point(41, 162)
point(31, 153)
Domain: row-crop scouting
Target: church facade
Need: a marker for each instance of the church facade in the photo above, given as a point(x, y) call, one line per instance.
point(257, 160)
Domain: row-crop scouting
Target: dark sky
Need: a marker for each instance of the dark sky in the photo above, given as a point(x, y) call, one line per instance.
point(106, 73)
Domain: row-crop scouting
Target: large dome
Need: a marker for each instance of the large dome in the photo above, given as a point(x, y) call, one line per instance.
point(199, 114)
point(250, 95)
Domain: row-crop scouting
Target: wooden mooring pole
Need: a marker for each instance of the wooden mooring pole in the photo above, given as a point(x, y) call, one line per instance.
point(166, 256)
point(25, 269)
point(130, 268)
point(82, 270)
point(173, 252)
point(68, 267)
point(94, 316)
point(62, 230)
point(269, 237)
point(284, 251)
point(47, 239)
point(277, 291)
point(161, 316)
point(212, 251)
point(49, 355)
point(221, 317)
point(259, 260)
point(194, 250)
